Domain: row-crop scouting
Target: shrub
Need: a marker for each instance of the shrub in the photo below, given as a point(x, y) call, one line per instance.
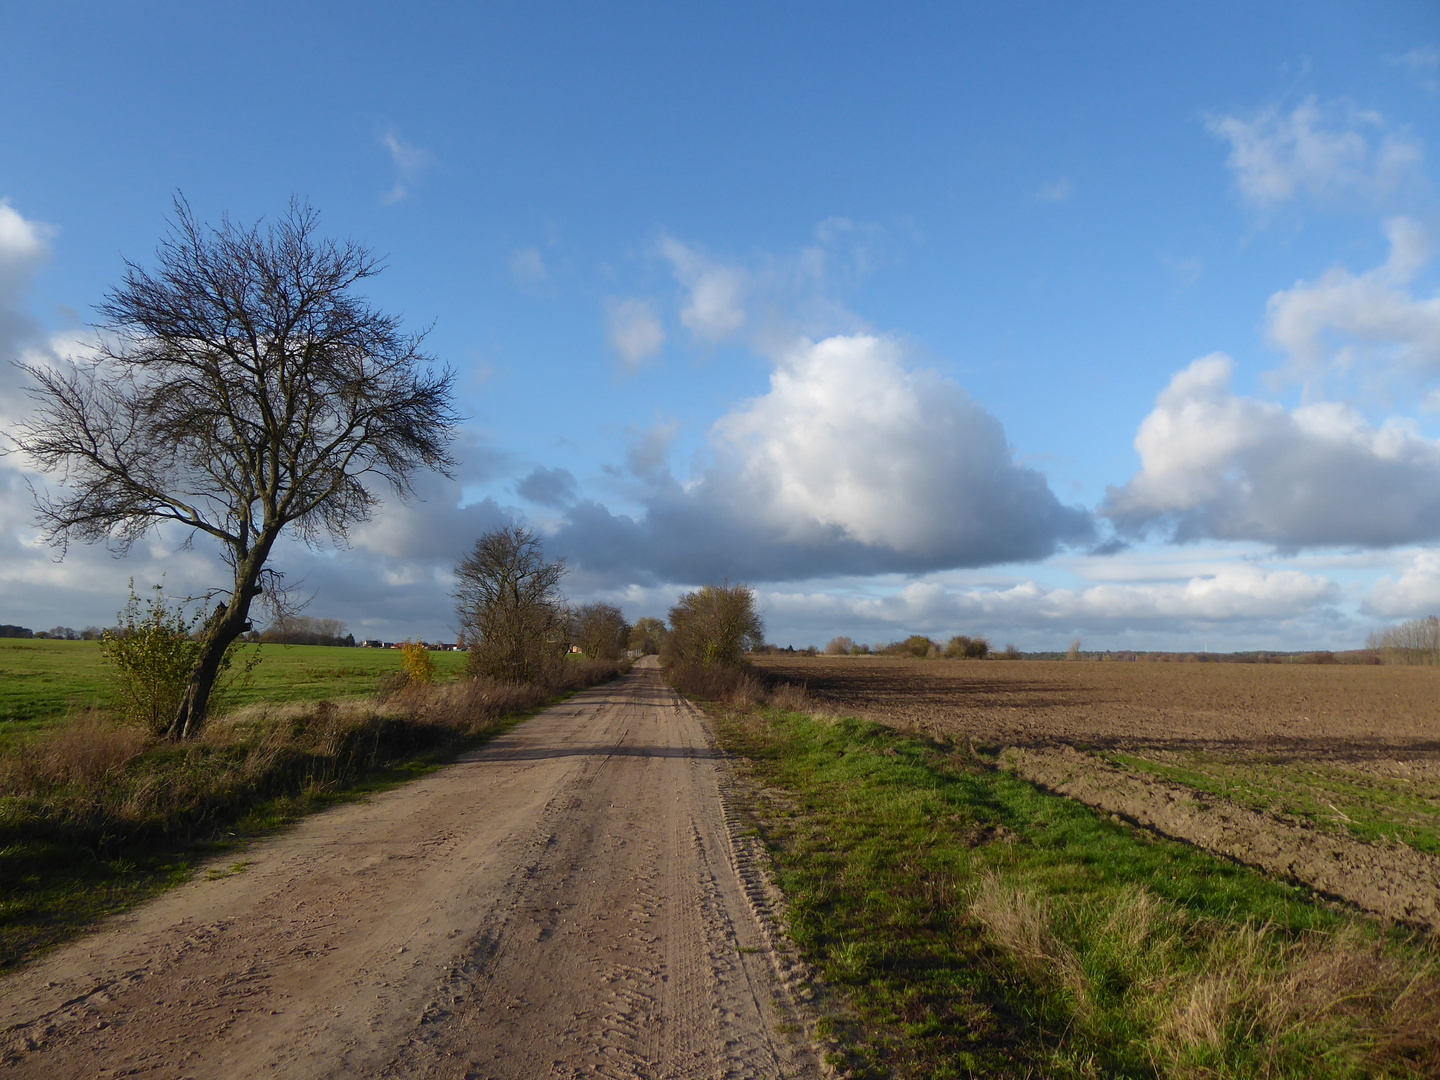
point(962, 647)
point(152, 655)
point(418, 665)
point(716, 624)
point(839, 646)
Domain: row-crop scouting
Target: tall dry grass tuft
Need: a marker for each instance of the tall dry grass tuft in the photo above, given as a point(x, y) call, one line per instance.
point(83, 752)
point(735, 686)
point(1019, 923)
point(1204, 996)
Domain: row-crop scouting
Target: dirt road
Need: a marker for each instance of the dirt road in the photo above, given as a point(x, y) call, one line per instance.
point(568, 901)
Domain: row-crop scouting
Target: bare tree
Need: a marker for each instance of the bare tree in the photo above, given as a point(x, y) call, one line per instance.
point(239, 390)
point(509, 606)
point(600, 630)
point(715, 624)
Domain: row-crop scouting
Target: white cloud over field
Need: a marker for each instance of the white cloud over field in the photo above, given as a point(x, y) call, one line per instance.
point(1214, 464)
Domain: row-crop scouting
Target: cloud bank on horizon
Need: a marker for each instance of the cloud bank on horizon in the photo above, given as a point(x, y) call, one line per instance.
point(866, 490)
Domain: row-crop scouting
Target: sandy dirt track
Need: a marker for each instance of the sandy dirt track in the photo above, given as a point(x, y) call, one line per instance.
point(568, 901)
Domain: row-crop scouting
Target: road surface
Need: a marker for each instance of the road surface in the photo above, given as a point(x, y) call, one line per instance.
point(567, 901)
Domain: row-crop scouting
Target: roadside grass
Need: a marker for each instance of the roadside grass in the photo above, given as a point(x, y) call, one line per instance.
point(1335, 798)
point(96, 817)
point(42, 682)
point(977, 926)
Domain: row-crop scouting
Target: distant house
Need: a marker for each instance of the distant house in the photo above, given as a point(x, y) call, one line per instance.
point(372, 644)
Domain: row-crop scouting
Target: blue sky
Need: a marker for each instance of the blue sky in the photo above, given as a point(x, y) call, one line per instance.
point(1107, 321)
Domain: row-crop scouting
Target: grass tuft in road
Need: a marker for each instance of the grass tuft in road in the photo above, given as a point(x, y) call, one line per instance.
point(978, 926)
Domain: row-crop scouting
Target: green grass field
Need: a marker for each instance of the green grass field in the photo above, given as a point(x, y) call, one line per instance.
point(41, 682)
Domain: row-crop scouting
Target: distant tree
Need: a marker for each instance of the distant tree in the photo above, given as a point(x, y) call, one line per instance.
point(289, 629)
point(839, 646)
point(648, 635)
point(715, 624)
point(1073, 653)
point(1413, 642)
point(509, 607)
point(600, 630)
point(242, 390)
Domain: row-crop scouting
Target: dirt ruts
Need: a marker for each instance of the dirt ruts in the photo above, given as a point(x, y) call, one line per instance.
point(566, 902)
point(1393, 881)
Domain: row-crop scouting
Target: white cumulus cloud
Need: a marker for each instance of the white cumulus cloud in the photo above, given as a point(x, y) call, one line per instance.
point(1345, 318)
point(1413, 592)
point(851, 462)
point(1217, 465)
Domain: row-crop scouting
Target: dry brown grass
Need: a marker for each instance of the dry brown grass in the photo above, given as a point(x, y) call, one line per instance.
point(738, 687)
point(84, 752)
point(1199, 988)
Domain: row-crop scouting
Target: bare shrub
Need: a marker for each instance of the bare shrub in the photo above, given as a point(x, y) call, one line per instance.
point(839, 646)
point(1073, 653)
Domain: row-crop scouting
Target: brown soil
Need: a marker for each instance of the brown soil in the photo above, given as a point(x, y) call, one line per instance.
point(1353, 711)
point(568, 901)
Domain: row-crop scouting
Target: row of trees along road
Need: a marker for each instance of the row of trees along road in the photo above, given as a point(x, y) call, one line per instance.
point(240, 390)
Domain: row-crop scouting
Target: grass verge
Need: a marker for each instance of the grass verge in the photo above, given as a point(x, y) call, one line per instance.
point(977, 926)
point(96, 817)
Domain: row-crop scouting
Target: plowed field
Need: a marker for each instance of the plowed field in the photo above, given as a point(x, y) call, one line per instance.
point(1307, 710)
point(1324, 774)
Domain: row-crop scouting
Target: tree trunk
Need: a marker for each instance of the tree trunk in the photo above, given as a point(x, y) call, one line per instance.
point(227, 624)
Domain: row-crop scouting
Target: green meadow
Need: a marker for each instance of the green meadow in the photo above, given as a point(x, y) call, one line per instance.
point(42, 682)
